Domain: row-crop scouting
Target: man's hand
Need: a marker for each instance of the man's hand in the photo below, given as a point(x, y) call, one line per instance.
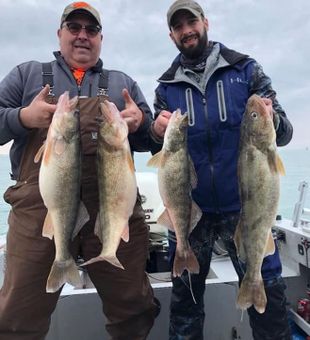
point(161, 123)
point(274, 115)
point(39, 113)
point(268, 103)
point(131, 114)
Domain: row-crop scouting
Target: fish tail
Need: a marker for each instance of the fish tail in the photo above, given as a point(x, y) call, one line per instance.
point(252, 293)
point(62, 272)
point(185, 260)
point(111, 259)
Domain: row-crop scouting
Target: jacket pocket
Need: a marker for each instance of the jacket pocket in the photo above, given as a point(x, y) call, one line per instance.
point(190, 106)
point(8, 196)
point(221, 101)
point(23, 195)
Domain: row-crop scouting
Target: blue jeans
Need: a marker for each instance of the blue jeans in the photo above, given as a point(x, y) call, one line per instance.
point(187, 318)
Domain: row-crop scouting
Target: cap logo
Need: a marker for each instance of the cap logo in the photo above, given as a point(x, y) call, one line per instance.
point(81, 4)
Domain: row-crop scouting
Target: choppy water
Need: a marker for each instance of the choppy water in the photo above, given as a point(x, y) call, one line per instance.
point(296, 162)
point(5, 181)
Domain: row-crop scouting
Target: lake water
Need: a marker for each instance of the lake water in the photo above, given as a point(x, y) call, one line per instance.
point(296, 162)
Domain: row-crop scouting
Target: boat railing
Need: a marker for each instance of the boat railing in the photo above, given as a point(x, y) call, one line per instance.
point(301, 214)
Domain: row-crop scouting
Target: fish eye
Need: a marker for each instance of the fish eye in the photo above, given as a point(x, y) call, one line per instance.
point(254, 114)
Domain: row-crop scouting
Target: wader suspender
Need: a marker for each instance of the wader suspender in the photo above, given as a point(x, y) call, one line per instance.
point(48, 78)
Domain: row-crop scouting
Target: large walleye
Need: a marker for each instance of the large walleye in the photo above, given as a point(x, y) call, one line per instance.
point(116, 183)
point(59, 183)
point(177, 178)
point(259, 167)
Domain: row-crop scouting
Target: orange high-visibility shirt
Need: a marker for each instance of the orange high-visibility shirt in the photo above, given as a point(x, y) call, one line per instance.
point(78, 74)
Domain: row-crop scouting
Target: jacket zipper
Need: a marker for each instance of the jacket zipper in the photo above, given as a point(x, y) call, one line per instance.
point(221, 101)
point(190, 106)
point(210, 154)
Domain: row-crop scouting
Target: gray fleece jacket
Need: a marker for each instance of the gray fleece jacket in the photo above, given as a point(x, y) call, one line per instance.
point(24, 82)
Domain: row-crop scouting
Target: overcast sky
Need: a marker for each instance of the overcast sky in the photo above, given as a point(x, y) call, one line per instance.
point(275, 32)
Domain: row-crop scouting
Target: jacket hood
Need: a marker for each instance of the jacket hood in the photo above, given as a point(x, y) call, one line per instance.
point(231, 56)
point(96, 68)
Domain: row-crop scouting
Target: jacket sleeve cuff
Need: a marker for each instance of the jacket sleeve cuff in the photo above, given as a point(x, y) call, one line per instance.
point(154, 135)
point(15, 124)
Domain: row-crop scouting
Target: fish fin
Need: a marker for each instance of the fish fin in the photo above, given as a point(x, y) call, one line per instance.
point(130, 162)
point(59, 146)
point(81, 220)
point(275, 162)
point(97, 230)
point(62, 272)
point(156, 160)
point(252, 293)
point(271, 159)
point(193, 175)
point(111, 259)
point(73, 103)
point(48, 227)
point(238, 242)
point(280, 165)
point(39, 153)
point(185, 260)
point(125, 234)
point(196, 214)
point(48, 150)
point(270, 246)
point(165, 220)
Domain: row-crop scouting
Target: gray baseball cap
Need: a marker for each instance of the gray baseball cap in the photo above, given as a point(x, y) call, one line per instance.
point(187, 5)
point(80, 7)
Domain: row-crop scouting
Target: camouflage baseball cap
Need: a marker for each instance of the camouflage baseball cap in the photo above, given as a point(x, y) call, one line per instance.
point(188, 5)
point(80, 6)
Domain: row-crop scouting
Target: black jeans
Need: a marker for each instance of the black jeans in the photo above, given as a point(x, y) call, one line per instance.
point(187, 318)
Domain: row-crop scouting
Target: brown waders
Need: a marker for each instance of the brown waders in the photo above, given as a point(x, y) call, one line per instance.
point(25, 307)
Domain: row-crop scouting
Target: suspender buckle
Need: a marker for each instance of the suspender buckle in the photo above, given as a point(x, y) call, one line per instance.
point(47, 73)
point(50, 92)
point(102, 92)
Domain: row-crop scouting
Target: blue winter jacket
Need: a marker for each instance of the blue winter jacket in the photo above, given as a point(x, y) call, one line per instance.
point(213, 138)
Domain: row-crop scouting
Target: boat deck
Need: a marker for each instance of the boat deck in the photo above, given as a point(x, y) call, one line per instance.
point(79, 316)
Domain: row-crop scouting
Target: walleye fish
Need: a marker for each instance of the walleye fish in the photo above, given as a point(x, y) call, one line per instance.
point(116, 182)
point(176, 179)
point(259, 167)
point(59, 184)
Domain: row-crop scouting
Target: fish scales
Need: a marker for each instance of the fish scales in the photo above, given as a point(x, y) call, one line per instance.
point(176, 187)
point(176, 179)
point(259, 168)
point(59, 184)
point(116, 183)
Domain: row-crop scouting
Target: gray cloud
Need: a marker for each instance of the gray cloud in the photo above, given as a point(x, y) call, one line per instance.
point(136, 41)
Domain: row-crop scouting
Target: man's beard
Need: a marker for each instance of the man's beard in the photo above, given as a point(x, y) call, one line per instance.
point(196, 51)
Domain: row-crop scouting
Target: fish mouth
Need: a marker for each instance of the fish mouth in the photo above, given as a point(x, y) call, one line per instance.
point(179, 118)
point(109, 111)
